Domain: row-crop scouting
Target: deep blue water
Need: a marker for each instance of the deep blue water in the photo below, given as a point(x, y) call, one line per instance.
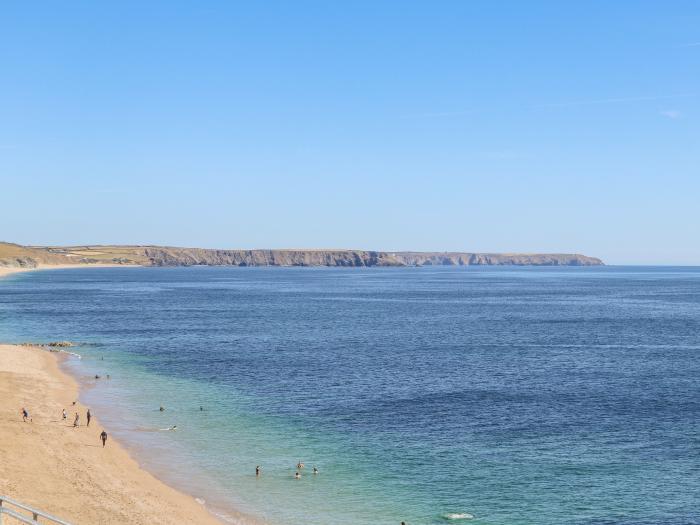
point(514, 395)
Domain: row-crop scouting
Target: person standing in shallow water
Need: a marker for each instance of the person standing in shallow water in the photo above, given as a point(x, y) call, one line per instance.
point(103, 437)
point(257, 471)
point(89, 417)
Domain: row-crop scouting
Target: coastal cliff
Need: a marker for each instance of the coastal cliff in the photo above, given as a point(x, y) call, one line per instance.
point(193, 256)
point(14, 255)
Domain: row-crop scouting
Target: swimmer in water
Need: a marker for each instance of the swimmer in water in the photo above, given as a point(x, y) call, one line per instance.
point(315, 470)
point(173, 427)
point(297, 476)
point(257, 471)
point(161, 408)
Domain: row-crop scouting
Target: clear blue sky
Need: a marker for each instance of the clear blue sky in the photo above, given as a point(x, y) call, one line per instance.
point(468, 125)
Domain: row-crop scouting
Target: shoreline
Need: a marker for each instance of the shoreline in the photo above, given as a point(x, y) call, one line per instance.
point(65, 471)
point(156, 461)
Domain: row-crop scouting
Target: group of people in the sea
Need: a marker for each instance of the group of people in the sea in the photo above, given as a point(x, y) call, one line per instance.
point(258, 468)
point(297, 474)
point(300, 466)
point(64, 416)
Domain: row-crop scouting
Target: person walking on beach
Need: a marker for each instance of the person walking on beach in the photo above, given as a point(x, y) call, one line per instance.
point(64, 414)
point(103, 437)
point(76, 421)
point(25, 415)
point(89, 417)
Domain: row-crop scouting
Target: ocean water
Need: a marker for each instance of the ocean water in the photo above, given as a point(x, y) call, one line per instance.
point(430, 395)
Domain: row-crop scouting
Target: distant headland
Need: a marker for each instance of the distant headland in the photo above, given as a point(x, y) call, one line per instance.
point(17, 256)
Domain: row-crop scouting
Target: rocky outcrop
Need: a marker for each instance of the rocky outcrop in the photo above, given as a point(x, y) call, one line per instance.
point(52, 344)
point(19, 262)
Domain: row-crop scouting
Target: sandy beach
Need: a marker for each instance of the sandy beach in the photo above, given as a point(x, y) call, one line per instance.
point(65, 471)
point(8, 270)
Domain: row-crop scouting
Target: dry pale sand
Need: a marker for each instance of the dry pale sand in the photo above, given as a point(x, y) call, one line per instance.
point(65, 471)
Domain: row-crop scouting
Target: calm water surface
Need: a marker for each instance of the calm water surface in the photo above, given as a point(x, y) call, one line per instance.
point(430, 395)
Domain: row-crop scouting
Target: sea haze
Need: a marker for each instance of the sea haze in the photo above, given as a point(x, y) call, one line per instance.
point(482, 395)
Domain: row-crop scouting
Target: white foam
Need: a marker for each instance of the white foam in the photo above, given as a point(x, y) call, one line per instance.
point(458, 516)
point(227, 518)
point(62, 351)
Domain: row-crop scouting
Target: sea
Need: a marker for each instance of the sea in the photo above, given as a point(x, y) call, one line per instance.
point(432, 395)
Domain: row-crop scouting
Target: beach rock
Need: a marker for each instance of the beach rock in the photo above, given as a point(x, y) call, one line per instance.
point(52, 344)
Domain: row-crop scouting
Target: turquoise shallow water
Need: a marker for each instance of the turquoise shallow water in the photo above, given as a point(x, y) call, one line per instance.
point(511, 395)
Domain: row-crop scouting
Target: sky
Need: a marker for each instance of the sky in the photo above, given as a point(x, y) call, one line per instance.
point(482, 126)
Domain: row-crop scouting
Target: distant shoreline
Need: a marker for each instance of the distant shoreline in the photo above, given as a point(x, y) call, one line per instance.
point(14, 255)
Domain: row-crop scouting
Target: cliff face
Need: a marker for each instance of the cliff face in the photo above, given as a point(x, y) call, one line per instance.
point(194, 256)
point(497, 259)
point(15, 255)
